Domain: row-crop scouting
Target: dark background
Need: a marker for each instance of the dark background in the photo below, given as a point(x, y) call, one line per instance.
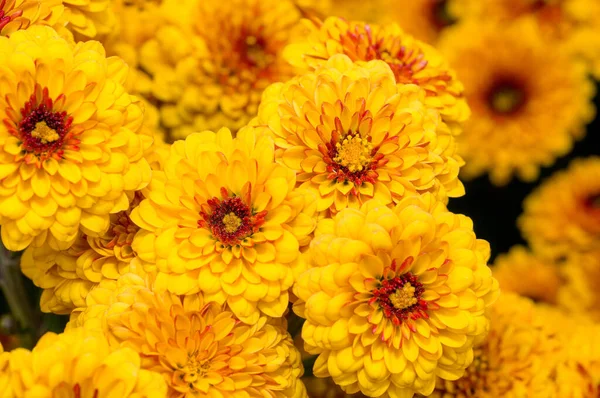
point(495, 210)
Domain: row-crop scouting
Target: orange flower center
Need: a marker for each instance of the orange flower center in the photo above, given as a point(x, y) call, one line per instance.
point(440, 14)
point(41, 130)
point(506, 98)
point(230, 219)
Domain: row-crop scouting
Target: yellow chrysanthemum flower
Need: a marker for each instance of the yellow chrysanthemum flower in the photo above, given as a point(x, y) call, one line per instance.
point(89, 18)
point(223, 218)
point(580, 293)
point(211, 60)
point(78, 363)
point(412, 61)
point(199, 347)
point(394, 297)
point(562, 216)
point(529, 101)
point(527, 274)
point(20, 14)
point(352, 134)
point(517, 359)
point(577, 372)
point(70, 143)
point(573, 25)
point(67, 276)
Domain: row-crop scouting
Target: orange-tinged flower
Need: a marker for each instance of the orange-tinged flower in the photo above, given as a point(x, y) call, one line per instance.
point(519, 357)
point(394, 297)
point(78, 363)
point(562, 216)
point(529, 101)
point(352, 134)
point(67, 276)
point(580, 292)
point(527, 274)
point(224, 218)
point(20, 14)
point(210, 63)
point(571, 25)
point(412, 61)
point(71, 142)
point(199, 347)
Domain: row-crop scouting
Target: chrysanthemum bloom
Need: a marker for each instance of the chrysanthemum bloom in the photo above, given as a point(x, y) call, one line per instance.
point(199, 347)
point(67, 276)
point(352, 134)
point(424, 19)
point(89, 18)
point(20, 14)
point(427, 20)
point(411, 60)
point(70, 148)
point(580, 293)
point(517, 359)
point(573, 25)
point(80, 363)
point(529, 101)
point(527, 274)
point(394, 297)
point(223, 218)
point(562, 216)
point(577, 372)
point(209, 68)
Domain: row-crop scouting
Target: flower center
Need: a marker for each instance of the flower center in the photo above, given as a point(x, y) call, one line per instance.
point(592, 203)
point(441, 15)
point(230, 219)
point(400, 298)
point(353, 152)
point(41, 130)
point(231, 222)
point(506, 98)
point(404, 297)
point(44, 133)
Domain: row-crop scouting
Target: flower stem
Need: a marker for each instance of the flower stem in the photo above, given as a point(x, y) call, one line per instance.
point(11, 283)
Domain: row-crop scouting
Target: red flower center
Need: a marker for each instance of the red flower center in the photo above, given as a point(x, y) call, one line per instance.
point(400, 298)
point(230, 219)
point(41, 130)
point(360, 44)
point(592, 204)
point(350, 155)
point(507, 97)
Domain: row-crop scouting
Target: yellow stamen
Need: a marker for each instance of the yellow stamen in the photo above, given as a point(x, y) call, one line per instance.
point(231, 222)
point(507, 99)
point(353, 152)
point(403, 298)
point(44, 133)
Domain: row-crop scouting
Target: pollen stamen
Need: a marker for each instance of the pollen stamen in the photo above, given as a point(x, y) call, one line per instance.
point(44, 133)
point(354, 153)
